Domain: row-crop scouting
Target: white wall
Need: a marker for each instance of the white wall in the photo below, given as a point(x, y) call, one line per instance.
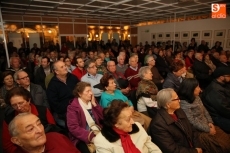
point(211, 25)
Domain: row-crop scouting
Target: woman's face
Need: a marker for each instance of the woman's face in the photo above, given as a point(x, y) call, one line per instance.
point(8, 80)
point(112, 85)
point(125, 120)
point(161, 53)
point(197, 91)
point(67, 62)
point(174, 104)
point(20, 104)
point(86, 95)
point(98, 62)
point(148, 75)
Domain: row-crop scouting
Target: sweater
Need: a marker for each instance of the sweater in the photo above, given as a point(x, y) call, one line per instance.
point(107, 98)
point(133, 77)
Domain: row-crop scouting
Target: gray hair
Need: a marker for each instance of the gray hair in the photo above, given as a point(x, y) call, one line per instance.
point(118, 57)
point(88, 62)
point(143, 70)
point(110, 62)
point(163, 97)
point(13, 129)
point(148, 58)
point(16, 74)
point(11, 59)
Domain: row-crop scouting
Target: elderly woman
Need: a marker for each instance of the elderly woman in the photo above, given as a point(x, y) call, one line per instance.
point(170, 129)
point(216, 140)
point(20, 100)
point(111, 93)
point(83, 117)
point(120, 134)
point(101, 69)
point(146, 91)
point(174, 79)
point(8, 83)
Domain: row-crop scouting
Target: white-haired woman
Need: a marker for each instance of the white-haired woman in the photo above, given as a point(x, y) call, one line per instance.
point(170, 128)
point(146, 91)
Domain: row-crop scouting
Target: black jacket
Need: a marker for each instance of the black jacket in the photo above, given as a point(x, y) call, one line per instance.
point(40, 76)
point(172, 81)
point(59, 94)
point(38, 95)
point(169, 136)
point(201, 69)
point(216, 99)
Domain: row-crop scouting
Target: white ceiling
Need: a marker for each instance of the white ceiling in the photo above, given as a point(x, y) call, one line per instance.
point(134, 11)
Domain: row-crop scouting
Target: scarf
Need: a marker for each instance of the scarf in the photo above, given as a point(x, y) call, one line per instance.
point(126, 142)
point(147, 88)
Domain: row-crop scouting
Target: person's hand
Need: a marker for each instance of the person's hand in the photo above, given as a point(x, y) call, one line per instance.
point(212, 129)
point(131, 108)
point(93, 101)
point(199, 150)
point(162, 80)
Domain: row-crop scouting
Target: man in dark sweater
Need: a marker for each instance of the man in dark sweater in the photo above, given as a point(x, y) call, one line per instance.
point(59, 91)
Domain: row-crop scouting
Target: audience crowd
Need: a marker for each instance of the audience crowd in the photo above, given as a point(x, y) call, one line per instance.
point(115, 98)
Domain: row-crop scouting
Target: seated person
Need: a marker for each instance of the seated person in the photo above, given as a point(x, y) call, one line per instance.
point(111, 93)
point(21, 101)
point(83, 116)
point(28, 135)
point(101, 69)
point(216, 98)
point(79, 71)
point(8, 83)
point(120, 134)
point(92, 77)
point(119, 78)
point(216, 140)
point(37, 92)
point(170, 129)
point(121, 66)
point(174, 78)
point(146, 91)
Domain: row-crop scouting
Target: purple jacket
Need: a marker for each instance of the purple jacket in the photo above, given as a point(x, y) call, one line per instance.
point(76, 121)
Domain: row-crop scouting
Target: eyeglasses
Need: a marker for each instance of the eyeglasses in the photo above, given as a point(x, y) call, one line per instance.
point(26, 77)
point(92, 66)
point(176, 99)
point(18, 104)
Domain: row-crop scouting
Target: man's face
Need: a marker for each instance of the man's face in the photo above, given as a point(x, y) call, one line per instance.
point(223, 59)
point(226, 78)
point(121, 60)
point(92, 69)
point(30, 132)
point(61, 68)
point(15, 63)
point(111, 67)
point(44, 63)
point(133, 62)
point(80, 63)
point(102, 56)
point(52, 55)
point(91, 55)
point(23, 79)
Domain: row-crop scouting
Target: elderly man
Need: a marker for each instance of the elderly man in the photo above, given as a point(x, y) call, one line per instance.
point(202, 71)
point(132, 73)
point(120, 80)
point(121, 66)
point(216, 98)
point(15, 65)
point(37, 93)
point(43, 71)
point(79, 71)
point(223, 61)
point(28, 134)
point(93, 78)
point(157, 78)
point(59, 91)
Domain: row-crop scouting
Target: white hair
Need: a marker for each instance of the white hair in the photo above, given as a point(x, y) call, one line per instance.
point(163, 97)
point(143, 70)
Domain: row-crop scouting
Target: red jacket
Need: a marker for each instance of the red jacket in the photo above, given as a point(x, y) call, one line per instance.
point(56, 143)
point(78, 73)
point(8, 146)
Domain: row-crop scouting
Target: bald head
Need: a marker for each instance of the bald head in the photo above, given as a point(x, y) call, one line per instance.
point(223, 58)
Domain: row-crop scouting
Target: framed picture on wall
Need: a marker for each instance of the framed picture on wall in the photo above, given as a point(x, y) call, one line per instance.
point(185, 35)
point(160, 36)
point(195, 34)
point(219, 34)
point(207, 34)
point(228, 43)
point(220, 40)
point(209, 43)
point(228, 33)
point(153, 36)
point(177, 35)
point(168, 35)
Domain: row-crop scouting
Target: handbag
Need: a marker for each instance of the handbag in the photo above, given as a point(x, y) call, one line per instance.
point(91, 146)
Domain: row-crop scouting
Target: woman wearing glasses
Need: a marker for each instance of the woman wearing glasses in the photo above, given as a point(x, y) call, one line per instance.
point(216, 140)
point(20, 100)
point(170, 129)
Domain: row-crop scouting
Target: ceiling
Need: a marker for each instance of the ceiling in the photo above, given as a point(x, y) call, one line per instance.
point(134, 11)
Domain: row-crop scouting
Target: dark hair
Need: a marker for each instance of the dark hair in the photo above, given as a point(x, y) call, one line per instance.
point(105, 80)
point(18, 91)
point(66, 58)
point(80, 87)
point(5, 74)
point(76, 58)
point(176, 65)
point(186, 90)
point(45, 57)
point(88, 62)
point(112, 112)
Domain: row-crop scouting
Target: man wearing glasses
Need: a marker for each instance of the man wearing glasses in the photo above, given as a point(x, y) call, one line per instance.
point(38, 94)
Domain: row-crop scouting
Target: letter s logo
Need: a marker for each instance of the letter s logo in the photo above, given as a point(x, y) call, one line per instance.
point(215, 8)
